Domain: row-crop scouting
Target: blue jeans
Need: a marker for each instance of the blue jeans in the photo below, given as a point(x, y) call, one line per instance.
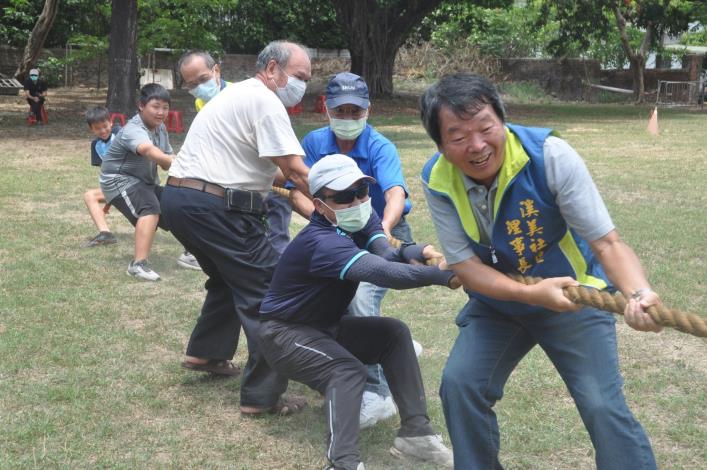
point(581, 346)
point(367, 303)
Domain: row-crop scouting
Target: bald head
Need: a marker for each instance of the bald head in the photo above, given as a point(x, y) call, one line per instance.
point(197, 67)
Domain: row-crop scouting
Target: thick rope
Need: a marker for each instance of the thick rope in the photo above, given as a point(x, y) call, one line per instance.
point(616, 303)
point(681, 321)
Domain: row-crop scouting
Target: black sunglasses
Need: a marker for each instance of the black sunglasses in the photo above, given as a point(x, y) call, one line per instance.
point(347, 196)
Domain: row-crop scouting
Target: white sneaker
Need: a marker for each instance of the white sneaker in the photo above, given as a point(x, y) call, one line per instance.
point(418, 348)
point(141, 270)
point(375, 408)
point(428, 448)
point(187, 260)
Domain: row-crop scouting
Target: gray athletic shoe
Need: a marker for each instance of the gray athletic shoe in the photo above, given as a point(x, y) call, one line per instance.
point(140, 270)
point(103, 238)
point(428, 448)
point(187, 260)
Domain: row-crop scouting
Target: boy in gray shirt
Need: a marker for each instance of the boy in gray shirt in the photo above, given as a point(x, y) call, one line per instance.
point(129, 177)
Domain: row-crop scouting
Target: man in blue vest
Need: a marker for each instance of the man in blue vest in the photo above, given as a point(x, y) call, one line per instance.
point(513, 199)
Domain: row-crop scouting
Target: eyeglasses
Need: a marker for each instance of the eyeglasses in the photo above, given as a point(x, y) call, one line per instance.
point(347, 196)
point(350, 112)
point(201, 79)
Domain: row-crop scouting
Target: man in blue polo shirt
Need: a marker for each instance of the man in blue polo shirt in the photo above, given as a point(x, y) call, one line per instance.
point(306, 336)
point(348, 133)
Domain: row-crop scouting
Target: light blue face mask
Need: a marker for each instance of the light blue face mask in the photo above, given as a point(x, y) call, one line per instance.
point(206, 90)
point(353, 219)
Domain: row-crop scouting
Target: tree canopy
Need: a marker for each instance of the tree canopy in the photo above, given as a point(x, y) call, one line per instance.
point(612, 31)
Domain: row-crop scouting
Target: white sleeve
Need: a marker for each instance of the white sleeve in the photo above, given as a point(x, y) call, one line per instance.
point(275, 136)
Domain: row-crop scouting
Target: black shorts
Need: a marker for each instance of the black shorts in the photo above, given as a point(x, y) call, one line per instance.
point(139, 200)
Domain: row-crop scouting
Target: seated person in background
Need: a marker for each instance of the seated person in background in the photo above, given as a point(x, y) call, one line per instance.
point(306, 336)
point(129, 177)
point(35, 91)
point(98, 119)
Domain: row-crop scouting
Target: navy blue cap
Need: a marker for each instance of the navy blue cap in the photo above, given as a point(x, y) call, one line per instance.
point(347, 88)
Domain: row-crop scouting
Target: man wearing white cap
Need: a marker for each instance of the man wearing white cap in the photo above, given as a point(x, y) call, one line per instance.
point(306, 336)
point(348, 133)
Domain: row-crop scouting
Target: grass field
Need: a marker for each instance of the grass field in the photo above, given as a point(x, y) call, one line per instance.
point(89, 358)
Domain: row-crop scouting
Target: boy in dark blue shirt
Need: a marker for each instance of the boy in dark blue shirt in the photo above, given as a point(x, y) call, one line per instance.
point(305, 335)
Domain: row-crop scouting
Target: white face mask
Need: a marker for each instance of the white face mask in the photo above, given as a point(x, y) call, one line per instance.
point(206, 91)
point(347, 129)
point(353, 219)
point(292, 92)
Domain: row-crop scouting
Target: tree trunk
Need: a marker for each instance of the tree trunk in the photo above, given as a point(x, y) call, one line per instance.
point(122, 57)
point(36, 39)
point(636, 58)
point(638, 66)
point(376, 30)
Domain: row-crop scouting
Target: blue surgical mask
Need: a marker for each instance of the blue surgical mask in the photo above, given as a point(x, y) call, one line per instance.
point(206, 90)
point(292, 92)
point(353, 219)
point(34, 78)
point(347, 129)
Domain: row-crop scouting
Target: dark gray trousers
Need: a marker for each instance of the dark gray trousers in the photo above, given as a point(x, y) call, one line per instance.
point(332, 362)
point(233, 250)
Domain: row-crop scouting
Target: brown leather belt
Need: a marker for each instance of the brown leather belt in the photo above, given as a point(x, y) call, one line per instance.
point(239, 200)
point(199, 185)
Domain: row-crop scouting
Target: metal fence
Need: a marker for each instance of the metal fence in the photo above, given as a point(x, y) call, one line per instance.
point(672, 93)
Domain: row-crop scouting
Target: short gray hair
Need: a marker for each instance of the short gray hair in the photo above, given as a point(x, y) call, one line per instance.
point(190, 55)
point(279, 51)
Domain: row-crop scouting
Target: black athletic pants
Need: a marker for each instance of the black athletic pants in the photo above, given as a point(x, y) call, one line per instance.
point(36, 107)
point(332, 362)
point(233, 250)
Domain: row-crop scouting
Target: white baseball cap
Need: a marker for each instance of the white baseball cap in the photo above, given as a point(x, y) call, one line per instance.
point(336, 172)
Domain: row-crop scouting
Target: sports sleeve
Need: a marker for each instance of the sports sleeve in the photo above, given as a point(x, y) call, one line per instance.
point(450, 232)
point(376, 270)
point(575, 193)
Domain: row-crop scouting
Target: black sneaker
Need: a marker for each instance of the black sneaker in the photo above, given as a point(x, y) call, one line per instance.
point(103, 238)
